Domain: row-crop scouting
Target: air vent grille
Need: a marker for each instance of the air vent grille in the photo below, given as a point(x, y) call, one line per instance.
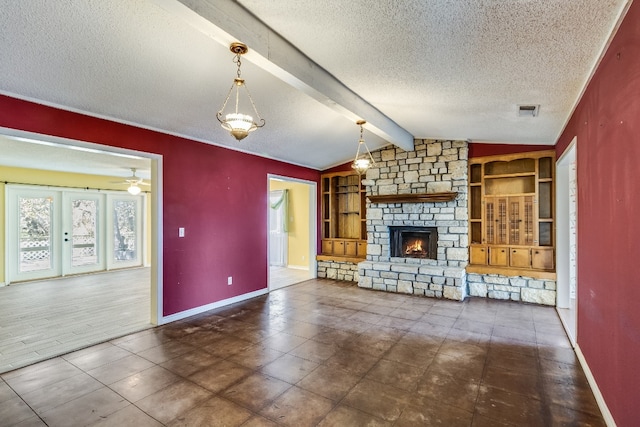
point(528, 110)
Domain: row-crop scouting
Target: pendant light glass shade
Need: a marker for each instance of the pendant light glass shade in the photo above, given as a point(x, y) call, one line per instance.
point(237, 123)
point(363, 161)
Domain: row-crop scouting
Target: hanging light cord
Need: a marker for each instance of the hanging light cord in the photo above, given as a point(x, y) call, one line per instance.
point(360, 144)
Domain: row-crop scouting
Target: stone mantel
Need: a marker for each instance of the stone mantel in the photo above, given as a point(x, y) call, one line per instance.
point(413, 198)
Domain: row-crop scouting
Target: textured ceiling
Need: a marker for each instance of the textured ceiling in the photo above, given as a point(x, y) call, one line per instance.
point(438, 69)
point(459, 69)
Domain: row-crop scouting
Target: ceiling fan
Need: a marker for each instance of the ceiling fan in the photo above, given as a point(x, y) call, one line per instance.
point(134, 183)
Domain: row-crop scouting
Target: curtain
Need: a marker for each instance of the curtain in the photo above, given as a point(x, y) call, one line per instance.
point(279, 201)
point(278, 220)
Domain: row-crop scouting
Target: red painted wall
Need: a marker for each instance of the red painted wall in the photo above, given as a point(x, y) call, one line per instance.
point(218, 195)
point(607, 125)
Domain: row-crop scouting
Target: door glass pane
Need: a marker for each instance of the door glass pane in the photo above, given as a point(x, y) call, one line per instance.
point(84, 232)
point(545, 167)
point(125, 233)
point(545, 200)
point(35, 233)
point(545, 233)
point(476, 202)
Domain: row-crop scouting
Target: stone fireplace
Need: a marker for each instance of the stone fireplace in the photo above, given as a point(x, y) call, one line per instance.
point(414, 196)
point(426, 189)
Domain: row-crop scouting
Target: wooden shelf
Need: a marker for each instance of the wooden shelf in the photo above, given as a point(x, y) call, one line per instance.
point(414, 198)
point(511, 214)
point(509, 175)
point(340, 258)
point(344, 236)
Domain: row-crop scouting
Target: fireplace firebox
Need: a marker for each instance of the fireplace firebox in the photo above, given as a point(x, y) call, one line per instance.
point(414, 242)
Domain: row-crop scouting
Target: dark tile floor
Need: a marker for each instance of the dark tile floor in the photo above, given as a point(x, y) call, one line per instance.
point(322, 353)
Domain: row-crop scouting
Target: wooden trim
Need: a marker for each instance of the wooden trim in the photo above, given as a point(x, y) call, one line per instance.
point(339, 258)
point(413, 198)
point(340, 173)
point(514, 156)
point(509, 271)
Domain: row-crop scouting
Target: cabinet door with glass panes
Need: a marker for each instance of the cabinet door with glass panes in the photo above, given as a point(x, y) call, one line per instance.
point(511, 211)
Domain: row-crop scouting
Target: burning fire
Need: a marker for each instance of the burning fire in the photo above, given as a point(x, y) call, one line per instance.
point(415, 247)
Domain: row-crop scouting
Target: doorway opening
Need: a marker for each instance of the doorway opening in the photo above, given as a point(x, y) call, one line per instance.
point(291, 238)
point(567, 214)
point(41, 162)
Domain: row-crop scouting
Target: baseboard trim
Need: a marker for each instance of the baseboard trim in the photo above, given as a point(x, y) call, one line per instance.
point(606, 414)
point(2, 284)
point(198, 310)
point(562, 314)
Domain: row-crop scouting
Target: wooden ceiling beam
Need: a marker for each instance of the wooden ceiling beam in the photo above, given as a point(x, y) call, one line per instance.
point(226, 21)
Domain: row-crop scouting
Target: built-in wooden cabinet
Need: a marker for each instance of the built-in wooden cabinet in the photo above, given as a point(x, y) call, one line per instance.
point(344, 228)
point(511, 222)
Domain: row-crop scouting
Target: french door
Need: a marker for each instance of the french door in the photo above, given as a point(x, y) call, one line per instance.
point(82, 220)
point(57, 232)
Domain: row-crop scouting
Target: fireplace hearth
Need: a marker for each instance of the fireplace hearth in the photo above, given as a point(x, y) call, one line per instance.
point(414, 242)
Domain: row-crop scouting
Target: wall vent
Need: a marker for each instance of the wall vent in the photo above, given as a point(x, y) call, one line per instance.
point(528, 110)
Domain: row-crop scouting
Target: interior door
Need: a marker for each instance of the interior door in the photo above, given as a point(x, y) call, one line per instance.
point(83, 233)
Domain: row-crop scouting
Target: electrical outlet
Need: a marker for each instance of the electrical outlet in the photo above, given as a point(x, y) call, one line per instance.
point(181, 232)
point(229, 280)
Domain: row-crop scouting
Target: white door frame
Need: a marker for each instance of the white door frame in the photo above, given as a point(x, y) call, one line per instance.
point(313, 223)
point(566, 244)
point(156, 291)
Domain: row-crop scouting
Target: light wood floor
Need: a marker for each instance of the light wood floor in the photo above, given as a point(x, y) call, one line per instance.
point(279, 277)
point(43, 319)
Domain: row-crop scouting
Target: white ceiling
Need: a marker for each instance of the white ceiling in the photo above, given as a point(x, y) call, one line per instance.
point(412, 68)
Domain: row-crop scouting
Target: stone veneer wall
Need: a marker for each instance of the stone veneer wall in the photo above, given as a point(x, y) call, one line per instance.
point(526, 289)
point(338, 270)
point(434, 166)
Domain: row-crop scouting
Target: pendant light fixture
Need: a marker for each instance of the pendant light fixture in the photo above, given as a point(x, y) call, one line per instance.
point(364, 161)
point(239, 124)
